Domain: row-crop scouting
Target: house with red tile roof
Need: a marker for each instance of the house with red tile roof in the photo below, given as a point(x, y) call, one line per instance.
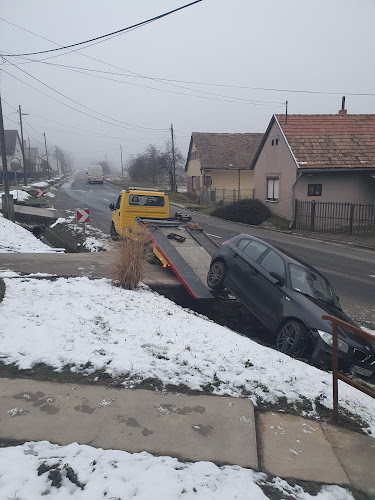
point(316, 157)
point(221, 161)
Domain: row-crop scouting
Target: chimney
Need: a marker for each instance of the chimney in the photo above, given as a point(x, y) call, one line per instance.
point(343, 111)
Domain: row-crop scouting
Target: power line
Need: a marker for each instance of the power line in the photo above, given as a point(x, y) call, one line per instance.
point(101, 37)
point(221, 97)
point(190, 82)
point(128, 127)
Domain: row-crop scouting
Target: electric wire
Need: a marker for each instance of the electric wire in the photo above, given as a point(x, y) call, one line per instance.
point(122, 30)
point(79, 110)
point(192, 82)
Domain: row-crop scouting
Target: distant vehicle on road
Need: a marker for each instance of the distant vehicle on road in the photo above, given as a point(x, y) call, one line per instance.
point(95, 174)
point(289, 297)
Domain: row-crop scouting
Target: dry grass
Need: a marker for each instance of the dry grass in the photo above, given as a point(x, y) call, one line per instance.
point(129, 258)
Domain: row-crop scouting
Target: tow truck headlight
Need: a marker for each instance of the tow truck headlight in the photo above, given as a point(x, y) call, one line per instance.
point(328, 339)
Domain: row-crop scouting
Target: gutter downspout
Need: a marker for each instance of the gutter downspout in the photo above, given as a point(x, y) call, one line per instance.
point(292, 214)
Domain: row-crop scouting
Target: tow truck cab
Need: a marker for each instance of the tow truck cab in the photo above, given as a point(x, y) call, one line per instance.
point(136, 202)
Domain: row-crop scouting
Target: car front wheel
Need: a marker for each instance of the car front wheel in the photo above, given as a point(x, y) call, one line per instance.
point(292, 339)
point(216, 275)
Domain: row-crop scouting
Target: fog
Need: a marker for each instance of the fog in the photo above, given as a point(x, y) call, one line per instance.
point(296, 45)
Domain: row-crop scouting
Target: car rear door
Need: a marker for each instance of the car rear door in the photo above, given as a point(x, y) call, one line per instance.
point(242, 270)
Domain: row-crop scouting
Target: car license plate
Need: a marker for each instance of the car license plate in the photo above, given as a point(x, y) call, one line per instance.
point(362, 371)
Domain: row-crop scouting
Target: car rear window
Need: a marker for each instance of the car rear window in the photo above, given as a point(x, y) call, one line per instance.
point(252, 249)
point(146, 201)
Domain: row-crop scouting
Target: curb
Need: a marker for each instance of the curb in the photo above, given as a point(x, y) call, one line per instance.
point(316, 238)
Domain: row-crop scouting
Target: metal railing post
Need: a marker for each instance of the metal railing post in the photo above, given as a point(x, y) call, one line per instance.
point(335, 369)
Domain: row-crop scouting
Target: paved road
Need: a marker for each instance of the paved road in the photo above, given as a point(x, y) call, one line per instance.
point(350, 269)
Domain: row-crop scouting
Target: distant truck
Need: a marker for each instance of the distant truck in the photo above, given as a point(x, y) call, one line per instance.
point(95, 174)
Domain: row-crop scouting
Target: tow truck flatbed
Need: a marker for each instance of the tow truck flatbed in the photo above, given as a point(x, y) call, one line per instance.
point(187, 249)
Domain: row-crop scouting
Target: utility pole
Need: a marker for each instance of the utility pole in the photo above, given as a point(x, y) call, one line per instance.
point(122, 167)
point(174, 186)
point(29, 155)
point(22, 147)
point(57, 161)
point(7, 199)
point(45, 144)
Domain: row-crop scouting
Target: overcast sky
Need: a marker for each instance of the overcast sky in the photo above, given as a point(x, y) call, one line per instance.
point(320, 45)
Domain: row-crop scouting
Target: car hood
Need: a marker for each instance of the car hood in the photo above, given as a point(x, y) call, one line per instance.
point(318, 309)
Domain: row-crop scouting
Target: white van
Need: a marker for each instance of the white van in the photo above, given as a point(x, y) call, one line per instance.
point(95, 174)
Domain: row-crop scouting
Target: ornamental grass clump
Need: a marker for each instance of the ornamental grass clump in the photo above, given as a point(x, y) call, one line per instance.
point(129, 257)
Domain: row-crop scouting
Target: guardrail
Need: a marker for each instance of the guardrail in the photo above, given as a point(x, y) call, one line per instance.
point(335, 362)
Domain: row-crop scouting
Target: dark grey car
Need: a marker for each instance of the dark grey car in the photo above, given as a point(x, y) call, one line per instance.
point(289, 297)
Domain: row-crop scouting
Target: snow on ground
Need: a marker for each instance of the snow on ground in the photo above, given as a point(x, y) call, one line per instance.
point(18, 194)
point(140, 334)
point(16, 239)
point(90, 473)
point(40, 184)
point(96, 240)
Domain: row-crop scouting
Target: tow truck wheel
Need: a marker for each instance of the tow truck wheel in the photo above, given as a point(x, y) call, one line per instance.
point(216, 275)
point(292, 339)
point(114, 234)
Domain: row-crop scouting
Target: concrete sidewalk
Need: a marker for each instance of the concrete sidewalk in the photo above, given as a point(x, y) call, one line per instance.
point(91, 264)
point(192, 428)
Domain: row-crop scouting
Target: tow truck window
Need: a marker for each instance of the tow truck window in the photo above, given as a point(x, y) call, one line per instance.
point(146, 201)
point(118, 202)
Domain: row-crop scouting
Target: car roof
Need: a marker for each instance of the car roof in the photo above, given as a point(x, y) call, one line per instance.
point(287, 256)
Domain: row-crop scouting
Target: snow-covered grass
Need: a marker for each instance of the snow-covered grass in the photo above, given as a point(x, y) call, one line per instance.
point(87, 473)
point(18, 194)
point(96, 240)
point(136, 335)
point(16, 239)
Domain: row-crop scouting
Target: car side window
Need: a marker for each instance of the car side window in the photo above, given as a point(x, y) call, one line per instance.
point(242, 243)
point(254, 250)
point(118, 203)
point(273, 263)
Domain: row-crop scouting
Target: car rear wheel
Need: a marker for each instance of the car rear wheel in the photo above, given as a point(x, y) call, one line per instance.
point(292, 339)
point(216, 275)
point(114, 234)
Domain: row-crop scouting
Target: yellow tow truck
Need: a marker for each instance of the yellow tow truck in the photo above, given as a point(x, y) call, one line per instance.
point(177, 242)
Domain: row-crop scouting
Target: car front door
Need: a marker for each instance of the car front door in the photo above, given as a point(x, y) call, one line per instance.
point(269, 299)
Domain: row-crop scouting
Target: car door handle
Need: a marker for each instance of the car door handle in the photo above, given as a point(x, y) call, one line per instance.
point(253, 271)
point(235, 255)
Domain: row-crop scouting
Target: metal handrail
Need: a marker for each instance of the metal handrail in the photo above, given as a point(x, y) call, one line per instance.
point(335, 362)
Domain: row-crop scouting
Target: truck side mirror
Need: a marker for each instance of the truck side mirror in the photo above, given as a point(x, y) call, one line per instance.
point(112, 206)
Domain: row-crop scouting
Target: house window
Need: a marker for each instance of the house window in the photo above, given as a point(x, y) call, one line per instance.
point(314, 190)
point(273, 188)
point(277, 142)
point(273, 142)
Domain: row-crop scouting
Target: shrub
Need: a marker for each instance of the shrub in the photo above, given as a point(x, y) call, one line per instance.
point(247, 211)
point(128, 259)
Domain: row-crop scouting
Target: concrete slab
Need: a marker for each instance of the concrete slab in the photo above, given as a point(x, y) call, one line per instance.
point(193, 428)
point(356, 453)
point(91, 264)
point(291, 447)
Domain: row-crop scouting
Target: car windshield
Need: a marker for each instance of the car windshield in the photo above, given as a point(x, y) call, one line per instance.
point(309, 283)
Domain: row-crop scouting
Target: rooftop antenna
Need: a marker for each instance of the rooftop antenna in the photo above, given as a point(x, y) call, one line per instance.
point(286, 112)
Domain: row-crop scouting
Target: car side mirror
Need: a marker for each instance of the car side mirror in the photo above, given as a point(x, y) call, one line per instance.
point(280, 280)
point(112, 206)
